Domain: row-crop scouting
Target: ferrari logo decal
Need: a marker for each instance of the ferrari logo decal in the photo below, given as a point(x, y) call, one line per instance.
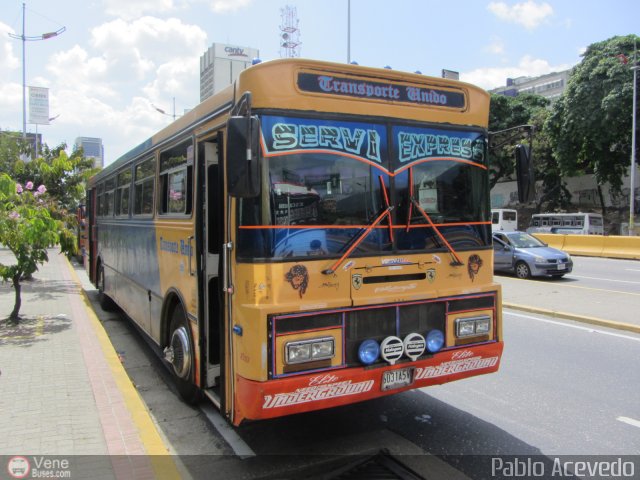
point(356, 281)
point(431, 275)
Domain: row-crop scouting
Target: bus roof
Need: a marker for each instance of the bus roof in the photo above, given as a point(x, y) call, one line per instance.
point(315, 86)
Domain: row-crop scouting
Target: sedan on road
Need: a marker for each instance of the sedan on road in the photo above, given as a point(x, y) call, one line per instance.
point(526, 256)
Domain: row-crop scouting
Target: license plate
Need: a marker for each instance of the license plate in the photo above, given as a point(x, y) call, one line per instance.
point(397, 378)
point(562, 266)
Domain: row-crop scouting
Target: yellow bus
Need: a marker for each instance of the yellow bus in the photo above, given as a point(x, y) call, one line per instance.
point(315, 235)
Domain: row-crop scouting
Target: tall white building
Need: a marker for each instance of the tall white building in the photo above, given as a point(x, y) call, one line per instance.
point(92, 148)
point(220, 66)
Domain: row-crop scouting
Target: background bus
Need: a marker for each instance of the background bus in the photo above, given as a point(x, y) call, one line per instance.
point(503, 219)
point(315, 235)
point(567, 223)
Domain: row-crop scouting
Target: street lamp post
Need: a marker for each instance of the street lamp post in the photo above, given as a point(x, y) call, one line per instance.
point(25, 38)
point(165, 113)
point(632, 178)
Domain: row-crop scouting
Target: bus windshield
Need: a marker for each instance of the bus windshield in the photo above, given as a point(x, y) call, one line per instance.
point(324, 183)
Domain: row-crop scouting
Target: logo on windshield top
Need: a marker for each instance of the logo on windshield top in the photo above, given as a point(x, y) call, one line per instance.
point(475, 263)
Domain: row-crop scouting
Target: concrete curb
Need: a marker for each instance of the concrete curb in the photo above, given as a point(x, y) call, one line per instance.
point(577, 318)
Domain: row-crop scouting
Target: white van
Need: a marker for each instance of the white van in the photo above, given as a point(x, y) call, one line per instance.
point(504, 220)
point(567, 223)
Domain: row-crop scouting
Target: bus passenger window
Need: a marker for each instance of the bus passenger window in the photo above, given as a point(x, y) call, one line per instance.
point(122, 193)
point(176, 178)
point(144, 187)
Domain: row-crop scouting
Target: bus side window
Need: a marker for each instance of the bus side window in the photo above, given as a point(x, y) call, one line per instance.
point(176, 179)
point(495, 218)
point(122, 193)
point(109, 194)
point(143, 193)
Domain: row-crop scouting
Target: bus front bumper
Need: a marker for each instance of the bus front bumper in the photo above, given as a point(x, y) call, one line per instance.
point(332, 388)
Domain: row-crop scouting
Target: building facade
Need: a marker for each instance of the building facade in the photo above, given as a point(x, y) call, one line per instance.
point(549, 86)
point(92, 148)
point(220, 66)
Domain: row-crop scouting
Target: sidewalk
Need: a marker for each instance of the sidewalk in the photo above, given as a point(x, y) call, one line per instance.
point(63, 390)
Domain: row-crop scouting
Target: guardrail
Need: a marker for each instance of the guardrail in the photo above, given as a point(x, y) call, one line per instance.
point(611, 246)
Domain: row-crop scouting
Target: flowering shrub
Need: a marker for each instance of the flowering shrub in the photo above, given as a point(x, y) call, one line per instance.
point(27, 229)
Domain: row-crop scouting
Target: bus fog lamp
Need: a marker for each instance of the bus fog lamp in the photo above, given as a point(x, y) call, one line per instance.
point(435, 340)
point(369, 351)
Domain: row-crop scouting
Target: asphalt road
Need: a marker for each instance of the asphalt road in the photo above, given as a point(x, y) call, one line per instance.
point(564, 388)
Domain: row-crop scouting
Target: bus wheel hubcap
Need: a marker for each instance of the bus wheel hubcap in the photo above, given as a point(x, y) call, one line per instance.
point(178, 353)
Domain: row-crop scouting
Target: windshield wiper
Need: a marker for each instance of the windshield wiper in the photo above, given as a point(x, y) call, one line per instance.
point(358, 240)
point(412, 201)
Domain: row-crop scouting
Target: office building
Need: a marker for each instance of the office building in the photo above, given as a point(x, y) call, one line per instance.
point(92, 148)
point(549, 86)
point(220, 66)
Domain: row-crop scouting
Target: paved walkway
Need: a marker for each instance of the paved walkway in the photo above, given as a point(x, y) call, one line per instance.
point(63, 390)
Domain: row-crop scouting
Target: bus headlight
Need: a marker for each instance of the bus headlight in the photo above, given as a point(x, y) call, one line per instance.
point(309, 350)
point(469, 327)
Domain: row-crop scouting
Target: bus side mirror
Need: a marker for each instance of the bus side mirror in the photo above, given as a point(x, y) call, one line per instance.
point(524, 174)
point(243, 157)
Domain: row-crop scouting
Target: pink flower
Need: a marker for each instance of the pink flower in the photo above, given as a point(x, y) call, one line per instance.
point(42, 189)
point(29, 185)
point(18, 188)
point(14, 215)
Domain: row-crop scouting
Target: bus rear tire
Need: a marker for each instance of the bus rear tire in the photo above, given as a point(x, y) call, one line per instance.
point(181, 357)
point(105, 301)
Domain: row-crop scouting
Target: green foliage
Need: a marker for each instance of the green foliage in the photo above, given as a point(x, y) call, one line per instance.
point(506, 113)
point(590, 126)
point(27, 229)
point(34, 219)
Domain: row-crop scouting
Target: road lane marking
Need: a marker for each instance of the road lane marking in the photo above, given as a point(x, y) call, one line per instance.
point(604, 279)
point(577, 327)
point(630, 421)
point(239, 446)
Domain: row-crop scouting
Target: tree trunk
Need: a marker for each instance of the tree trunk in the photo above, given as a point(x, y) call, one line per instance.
point(602, 205)
point(15, 317)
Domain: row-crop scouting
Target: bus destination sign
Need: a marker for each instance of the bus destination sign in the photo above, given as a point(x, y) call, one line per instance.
point(351, 87)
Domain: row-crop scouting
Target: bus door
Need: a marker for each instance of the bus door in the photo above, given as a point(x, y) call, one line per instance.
point(213, 222)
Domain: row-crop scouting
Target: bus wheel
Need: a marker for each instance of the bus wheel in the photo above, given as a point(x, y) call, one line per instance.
point(105, 301)
point(180, 355)
point(523, 270)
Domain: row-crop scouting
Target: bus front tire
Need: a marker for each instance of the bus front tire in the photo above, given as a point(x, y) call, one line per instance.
point(180, 355)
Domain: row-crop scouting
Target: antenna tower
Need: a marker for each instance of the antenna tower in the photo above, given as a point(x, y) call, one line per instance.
point(289, 33)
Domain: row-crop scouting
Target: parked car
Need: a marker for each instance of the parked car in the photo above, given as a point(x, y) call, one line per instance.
point(526, 256)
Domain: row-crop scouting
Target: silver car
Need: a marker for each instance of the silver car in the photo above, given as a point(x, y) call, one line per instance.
point(527, 256)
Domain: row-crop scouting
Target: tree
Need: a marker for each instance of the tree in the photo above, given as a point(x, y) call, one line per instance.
point(32, 221)
point(505, 113)
point(27, 229)
point(590, 125)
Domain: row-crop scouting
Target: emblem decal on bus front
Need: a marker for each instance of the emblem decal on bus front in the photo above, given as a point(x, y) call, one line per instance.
point(298, 277)
point(475, 263)
point(316, 392)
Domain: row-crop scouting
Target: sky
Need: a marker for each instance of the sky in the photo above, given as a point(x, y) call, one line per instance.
point(117, 59)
